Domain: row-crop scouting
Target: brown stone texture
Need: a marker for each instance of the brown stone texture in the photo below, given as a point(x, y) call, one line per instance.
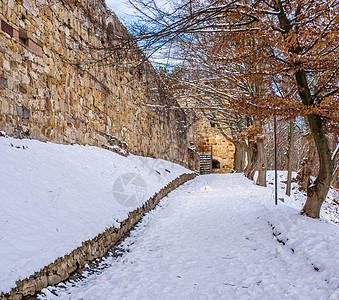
point(209, 140)
point(63, 267)
point(54, 64)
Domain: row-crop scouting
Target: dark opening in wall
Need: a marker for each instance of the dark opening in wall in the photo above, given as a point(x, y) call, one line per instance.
point(212, 124)
point(23, 37)
point(110, 32)
point(215, 164)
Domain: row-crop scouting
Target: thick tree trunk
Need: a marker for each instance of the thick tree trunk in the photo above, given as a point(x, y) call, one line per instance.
point(252, 155)
point(305, 172)
point(289, 158)
point(316, 193)
point(261, 163)
point(239, 157)
point(335, 177)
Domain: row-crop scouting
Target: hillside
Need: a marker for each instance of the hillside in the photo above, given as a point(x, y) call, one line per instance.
point(54, 197)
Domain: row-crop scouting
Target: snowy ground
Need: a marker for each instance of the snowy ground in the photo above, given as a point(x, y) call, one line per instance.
point(54, 197)
point(329, 209)
point(218, 237)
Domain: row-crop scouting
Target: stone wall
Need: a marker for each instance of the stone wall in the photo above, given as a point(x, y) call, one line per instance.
point(209, 140)
point(63, 267)
point(69, 73)
point(193, 159)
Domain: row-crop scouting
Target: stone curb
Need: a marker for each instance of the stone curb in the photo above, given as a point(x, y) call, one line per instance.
point(97, 247)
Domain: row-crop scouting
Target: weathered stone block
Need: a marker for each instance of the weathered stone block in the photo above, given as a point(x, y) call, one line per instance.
point(35, 47)
point(29, 286)
point(41, 282)
point(6, 28)
point(3, 83)
point(53, 279)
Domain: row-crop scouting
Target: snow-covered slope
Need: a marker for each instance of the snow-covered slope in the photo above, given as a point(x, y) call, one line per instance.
point(212, 238)
point(329, 209)
point(53, 197)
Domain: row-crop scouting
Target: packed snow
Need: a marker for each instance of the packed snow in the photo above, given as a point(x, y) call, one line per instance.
point(217, 237)
point(54, 197)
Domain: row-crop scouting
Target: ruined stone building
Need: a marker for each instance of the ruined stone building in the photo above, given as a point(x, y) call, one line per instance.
point(215, 151)
point(213, 147)
point(69, 73)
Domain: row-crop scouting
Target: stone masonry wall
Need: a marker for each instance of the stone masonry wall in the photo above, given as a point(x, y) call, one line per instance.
point(209, 139)
point(69, 74)
point(63, 267)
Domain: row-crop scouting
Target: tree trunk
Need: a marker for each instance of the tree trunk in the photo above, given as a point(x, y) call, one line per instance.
point(239, 157)
point(305, 171)
point(261, 163)
point(289, 158)
point(335, 177)
point(316, 194)
point(252, 152)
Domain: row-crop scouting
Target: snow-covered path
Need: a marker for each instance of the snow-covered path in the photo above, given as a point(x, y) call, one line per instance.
point(212, 239)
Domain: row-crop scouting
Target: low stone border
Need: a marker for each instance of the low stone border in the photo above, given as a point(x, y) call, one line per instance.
point(63, 267)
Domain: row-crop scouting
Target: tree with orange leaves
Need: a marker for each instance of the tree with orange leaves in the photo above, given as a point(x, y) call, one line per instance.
point(294, 45)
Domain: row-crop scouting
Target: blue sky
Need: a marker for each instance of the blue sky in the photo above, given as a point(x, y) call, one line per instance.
point(121, 8)
point(125, 13)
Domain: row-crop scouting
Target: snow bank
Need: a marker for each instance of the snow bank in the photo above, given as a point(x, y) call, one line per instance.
point(329, 210)
point(312, 242)
point(54, 197)
point(212, 238)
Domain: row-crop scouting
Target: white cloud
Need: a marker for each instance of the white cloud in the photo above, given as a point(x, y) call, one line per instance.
point(125, 11)
point(121, 8)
